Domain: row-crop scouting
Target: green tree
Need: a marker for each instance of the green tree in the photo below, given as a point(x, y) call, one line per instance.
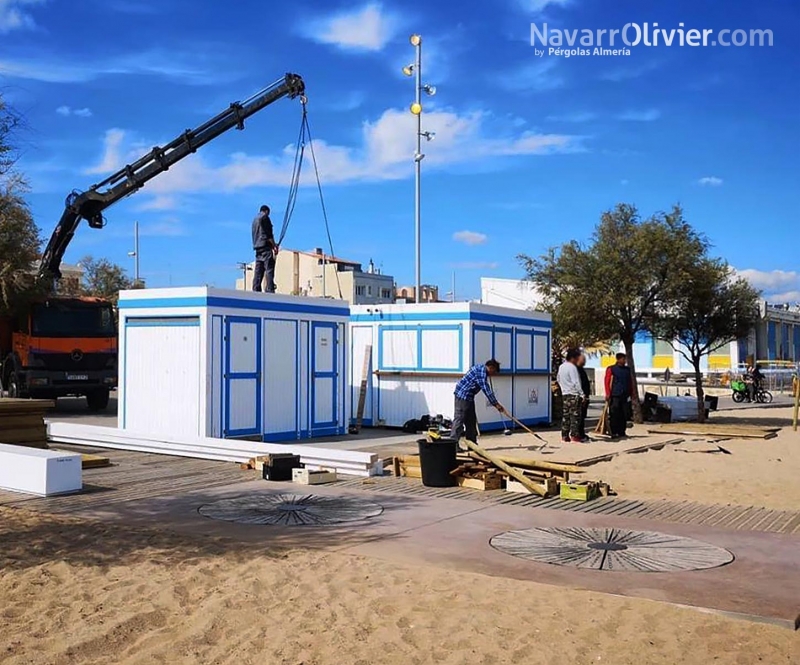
point(103, 279)
point(713, 308)
point(613, 287)
point(19, 245)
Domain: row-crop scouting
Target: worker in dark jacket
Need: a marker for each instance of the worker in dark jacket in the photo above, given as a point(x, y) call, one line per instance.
point(619, 389)
point(266, 249)
point(586, 386)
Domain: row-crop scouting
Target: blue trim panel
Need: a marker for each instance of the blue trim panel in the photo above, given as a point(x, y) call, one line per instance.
point(450, 316)
point(232, 303)
point(241, 376)
point(420, 330)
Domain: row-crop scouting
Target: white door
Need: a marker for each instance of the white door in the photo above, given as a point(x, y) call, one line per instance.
point(324, 377)
point(242, 376)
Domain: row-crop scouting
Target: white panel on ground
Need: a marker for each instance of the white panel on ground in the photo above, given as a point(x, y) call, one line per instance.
point(399, 348)
point(531, 397)
point(242, 339)
point(162, 377)
point(281, 376)
point(441, 350)
point(42, 472)
point(524, 351)
point(482, 346)
point(502, 348)
point(243, 405)
point(541, 352)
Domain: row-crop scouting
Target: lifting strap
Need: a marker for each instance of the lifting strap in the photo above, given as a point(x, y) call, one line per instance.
point(294, 185)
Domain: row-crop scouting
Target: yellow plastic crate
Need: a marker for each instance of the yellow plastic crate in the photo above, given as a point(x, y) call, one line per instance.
point(584, 491)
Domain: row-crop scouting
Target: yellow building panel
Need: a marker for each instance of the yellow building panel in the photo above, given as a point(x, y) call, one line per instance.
point(719, 362)
point(664, 362)
point(607, 361)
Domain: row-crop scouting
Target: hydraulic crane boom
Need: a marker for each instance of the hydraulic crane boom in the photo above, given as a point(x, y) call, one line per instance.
point(89, 205)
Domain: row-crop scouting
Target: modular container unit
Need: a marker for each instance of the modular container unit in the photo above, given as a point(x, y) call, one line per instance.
point(420, 351)
point(231, 364)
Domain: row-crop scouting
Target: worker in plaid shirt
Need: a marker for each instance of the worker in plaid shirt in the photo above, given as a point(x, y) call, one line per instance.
point(465, 420)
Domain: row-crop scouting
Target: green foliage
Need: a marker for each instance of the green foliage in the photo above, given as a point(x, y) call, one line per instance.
point(103, 279)
point(614, 287)
point(19, 245)
point(713, 308)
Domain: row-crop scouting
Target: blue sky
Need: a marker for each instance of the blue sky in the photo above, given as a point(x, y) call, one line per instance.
point(529, 150)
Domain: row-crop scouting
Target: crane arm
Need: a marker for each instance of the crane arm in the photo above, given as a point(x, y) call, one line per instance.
point(91, 204)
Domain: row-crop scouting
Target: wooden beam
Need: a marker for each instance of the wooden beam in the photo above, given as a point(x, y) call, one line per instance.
point(538, 464)
point(510, 470)
point(638, 449)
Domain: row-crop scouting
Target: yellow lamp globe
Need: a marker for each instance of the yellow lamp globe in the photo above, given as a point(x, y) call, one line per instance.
point(416, 108)
point(415, 40)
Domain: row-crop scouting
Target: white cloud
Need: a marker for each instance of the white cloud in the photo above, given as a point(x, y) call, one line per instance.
point(538, 6)
point(192, 68)
point(710, 181)
point(578, 116)
point(14, 16)
point(81, 113)
point(385, 153)
point(165, 227)
point(535, 76)
point(772, 281)
point(470, 237)
point(648, 115)
point(112, 154)
point(366, 29)
point(161, 202)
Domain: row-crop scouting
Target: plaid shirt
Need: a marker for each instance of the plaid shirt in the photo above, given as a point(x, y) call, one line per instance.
point(473, 382)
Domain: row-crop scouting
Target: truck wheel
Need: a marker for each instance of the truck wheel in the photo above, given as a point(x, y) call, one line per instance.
point(14, 387)
point(97, 400)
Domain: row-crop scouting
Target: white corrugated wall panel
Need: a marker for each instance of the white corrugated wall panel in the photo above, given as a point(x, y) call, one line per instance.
point(524, 350)
point(398, 348)
point(163, 379)
point(482, 341)
point(440, 350)
point(243, 405)
point(404, 398)
point(503, 339)
point(281, 376)
point(541, 352)
point(531, 397)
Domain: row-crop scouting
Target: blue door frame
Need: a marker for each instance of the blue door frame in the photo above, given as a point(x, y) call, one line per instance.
point(231, 376)
point(326, 427)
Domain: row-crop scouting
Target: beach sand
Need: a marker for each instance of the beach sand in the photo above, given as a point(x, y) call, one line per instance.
point(77, 591)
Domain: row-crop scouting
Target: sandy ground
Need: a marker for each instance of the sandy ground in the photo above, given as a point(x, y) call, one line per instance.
point(83, 592)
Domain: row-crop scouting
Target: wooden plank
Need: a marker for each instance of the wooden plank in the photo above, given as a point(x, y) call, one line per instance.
point(10, 405)
point(510, 470)
point(538, 464)
point(728, 431)
point(23, 435)
point(362, 393)
point(20, 421)
point(638, 449)
point(490, 481)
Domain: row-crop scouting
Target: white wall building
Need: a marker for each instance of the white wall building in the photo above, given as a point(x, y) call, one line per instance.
point(513, 293)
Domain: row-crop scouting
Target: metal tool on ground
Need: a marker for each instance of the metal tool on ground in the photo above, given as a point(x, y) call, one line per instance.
point(526, 428)
point(506, 431)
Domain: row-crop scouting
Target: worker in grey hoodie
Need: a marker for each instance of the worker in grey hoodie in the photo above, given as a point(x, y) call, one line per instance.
point(266, 250)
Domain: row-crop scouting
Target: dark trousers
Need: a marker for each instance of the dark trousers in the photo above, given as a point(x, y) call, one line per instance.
point(571, 416)
point(618, 415)
point(465, 420)
point(265, 264)
point(582, 422)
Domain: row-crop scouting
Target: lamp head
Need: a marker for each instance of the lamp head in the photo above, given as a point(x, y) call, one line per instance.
point(430, 90)
point(416, 109)
point(429, 135)
point(415, 40)
point(408, 70)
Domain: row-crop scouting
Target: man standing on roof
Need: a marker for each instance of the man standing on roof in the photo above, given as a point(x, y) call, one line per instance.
point(465, 420)
point(266, 249)
point(619, 389)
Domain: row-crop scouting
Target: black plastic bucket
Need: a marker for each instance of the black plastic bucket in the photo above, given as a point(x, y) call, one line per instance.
point(437, 459)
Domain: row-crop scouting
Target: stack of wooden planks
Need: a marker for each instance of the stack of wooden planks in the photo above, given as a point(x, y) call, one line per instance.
point(516, 474)
point(22, 421)
point(717, 431)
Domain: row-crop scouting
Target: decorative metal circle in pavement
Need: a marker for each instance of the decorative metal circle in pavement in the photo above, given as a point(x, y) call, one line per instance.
point(611, 549)
point(290, 509)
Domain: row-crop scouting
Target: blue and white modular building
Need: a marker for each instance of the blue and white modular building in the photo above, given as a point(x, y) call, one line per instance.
point(420, 351)
point(207, 362)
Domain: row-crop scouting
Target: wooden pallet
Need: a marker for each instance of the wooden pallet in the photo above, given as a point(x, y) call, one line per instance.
point(22, 421)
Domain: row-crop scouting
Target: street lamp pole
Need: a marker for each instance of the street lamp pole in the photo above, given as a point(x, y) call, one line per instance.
point(135, 253)
point(416, 40)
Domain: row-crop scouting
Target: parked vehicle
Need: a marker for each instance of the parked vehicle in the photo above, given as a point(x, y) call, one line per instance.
point(60, 347)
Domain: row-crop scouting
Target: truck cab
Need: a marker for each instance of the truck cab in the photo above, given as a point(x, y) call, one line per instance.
point(61, 347)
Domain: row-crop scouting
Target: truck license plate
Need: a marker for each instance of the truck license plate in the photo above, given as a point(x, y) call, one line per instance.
point(77, 377)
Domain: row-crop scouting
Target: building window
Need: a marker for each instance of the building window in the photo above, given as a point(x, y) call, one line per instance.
point(360, 290)
point(369, 290)
point(386, 293)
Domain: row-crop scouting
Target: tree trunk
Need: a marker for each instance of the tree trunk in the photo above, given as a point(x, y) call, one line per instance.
point(637, 407)
point(698, 387)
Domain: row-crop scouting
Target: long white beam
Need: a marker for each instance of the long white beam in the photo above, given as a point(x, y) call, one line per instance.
point(231, 450)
